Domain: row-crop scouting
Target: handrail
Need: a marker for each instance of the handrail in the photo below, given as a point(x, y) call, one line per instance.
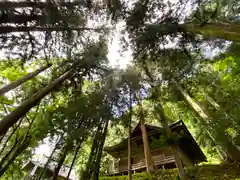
point(158, 160)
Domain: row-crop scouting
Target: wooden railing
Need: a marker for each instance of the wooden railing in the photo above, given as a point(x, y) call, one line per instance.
point(158, 160)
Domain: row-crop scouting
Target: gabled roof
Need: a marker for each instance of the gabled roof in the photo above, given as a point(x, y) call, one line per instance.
point(186, 142)
point(150, 128)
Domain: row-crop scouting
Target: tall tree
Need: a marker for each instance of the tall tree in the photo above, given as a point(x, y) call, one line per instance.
point(14, 116)
point(22, 80)
point(129, 137)
point(93, 154)
point(232, 151)
point(49, 158)
point(95, 175)
point(9, 29)
point(167, 133)
point(148, 157)
point(227, 31)
point(74, 159)
point(9, 5)
point(62, 156)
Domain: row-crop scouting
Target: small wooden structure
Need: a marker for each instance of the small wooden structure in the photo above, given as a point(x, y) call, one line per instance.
point(189, 151)
point(35, 167)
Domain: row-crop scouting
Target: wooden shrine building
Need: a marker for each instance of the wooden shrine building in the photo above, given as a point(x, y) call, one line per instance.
point(189, 151)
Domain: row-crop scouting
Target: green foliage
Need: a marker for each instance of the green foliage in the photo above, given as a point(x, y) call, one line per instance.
point(205, 172)
point(138, 176)
point(164, 50)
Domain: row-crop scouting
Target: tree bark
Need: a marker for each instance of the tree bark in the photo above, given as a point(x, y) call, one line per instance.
point(174, 148)
point(227, 31)
point(164, 122)
point(22, 19)
point(212, 102)
point(5, 5)
point(231, 150)
point(92, 157)
point(10, 135)
point(10, 119)
point(62, 157)
point(19, 146)
point(216, 106)
point(129, 139)
point(49, 158)
point(99, 153)
point(74, 159)
point(3, 160)
point(148, 157)
point(23, 145)
point(9, 29)
point(87, 173)
point(22, 80)
point(70, 144)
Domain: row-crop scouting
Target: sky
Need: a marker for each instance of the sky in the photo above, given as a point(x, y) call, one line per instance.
point(116, 59)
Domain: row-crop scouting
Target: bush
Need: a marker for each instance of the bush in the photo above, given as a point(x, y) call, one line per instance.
point(205, 172)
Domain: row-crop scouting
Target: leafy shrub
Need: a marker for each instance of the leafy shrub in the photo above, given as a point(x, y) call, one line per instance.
point(205, 172)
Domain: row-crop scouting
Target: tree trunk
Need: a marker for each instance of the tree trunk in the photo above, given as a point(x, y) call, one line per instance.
point(174, 148)
point(212, 102)
point(147, 153)
point(193, 104)
point(19, 146)
point(49, 158)
point(22, 19)
point(3, 160)
point(10, 119)
point(5, 5)
point(227, 31)
point(77, 148)
point(9, 29)
point(87, 173)
point(92, 157)
point(75, 155)
point(10, 135)
point(164, 122)
point(63, 154)
point(23, 145)
point(217, 106)
point(129, 139)
point(231, 150)
point(99, 153)
point(22, 80)
point(74, 159)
